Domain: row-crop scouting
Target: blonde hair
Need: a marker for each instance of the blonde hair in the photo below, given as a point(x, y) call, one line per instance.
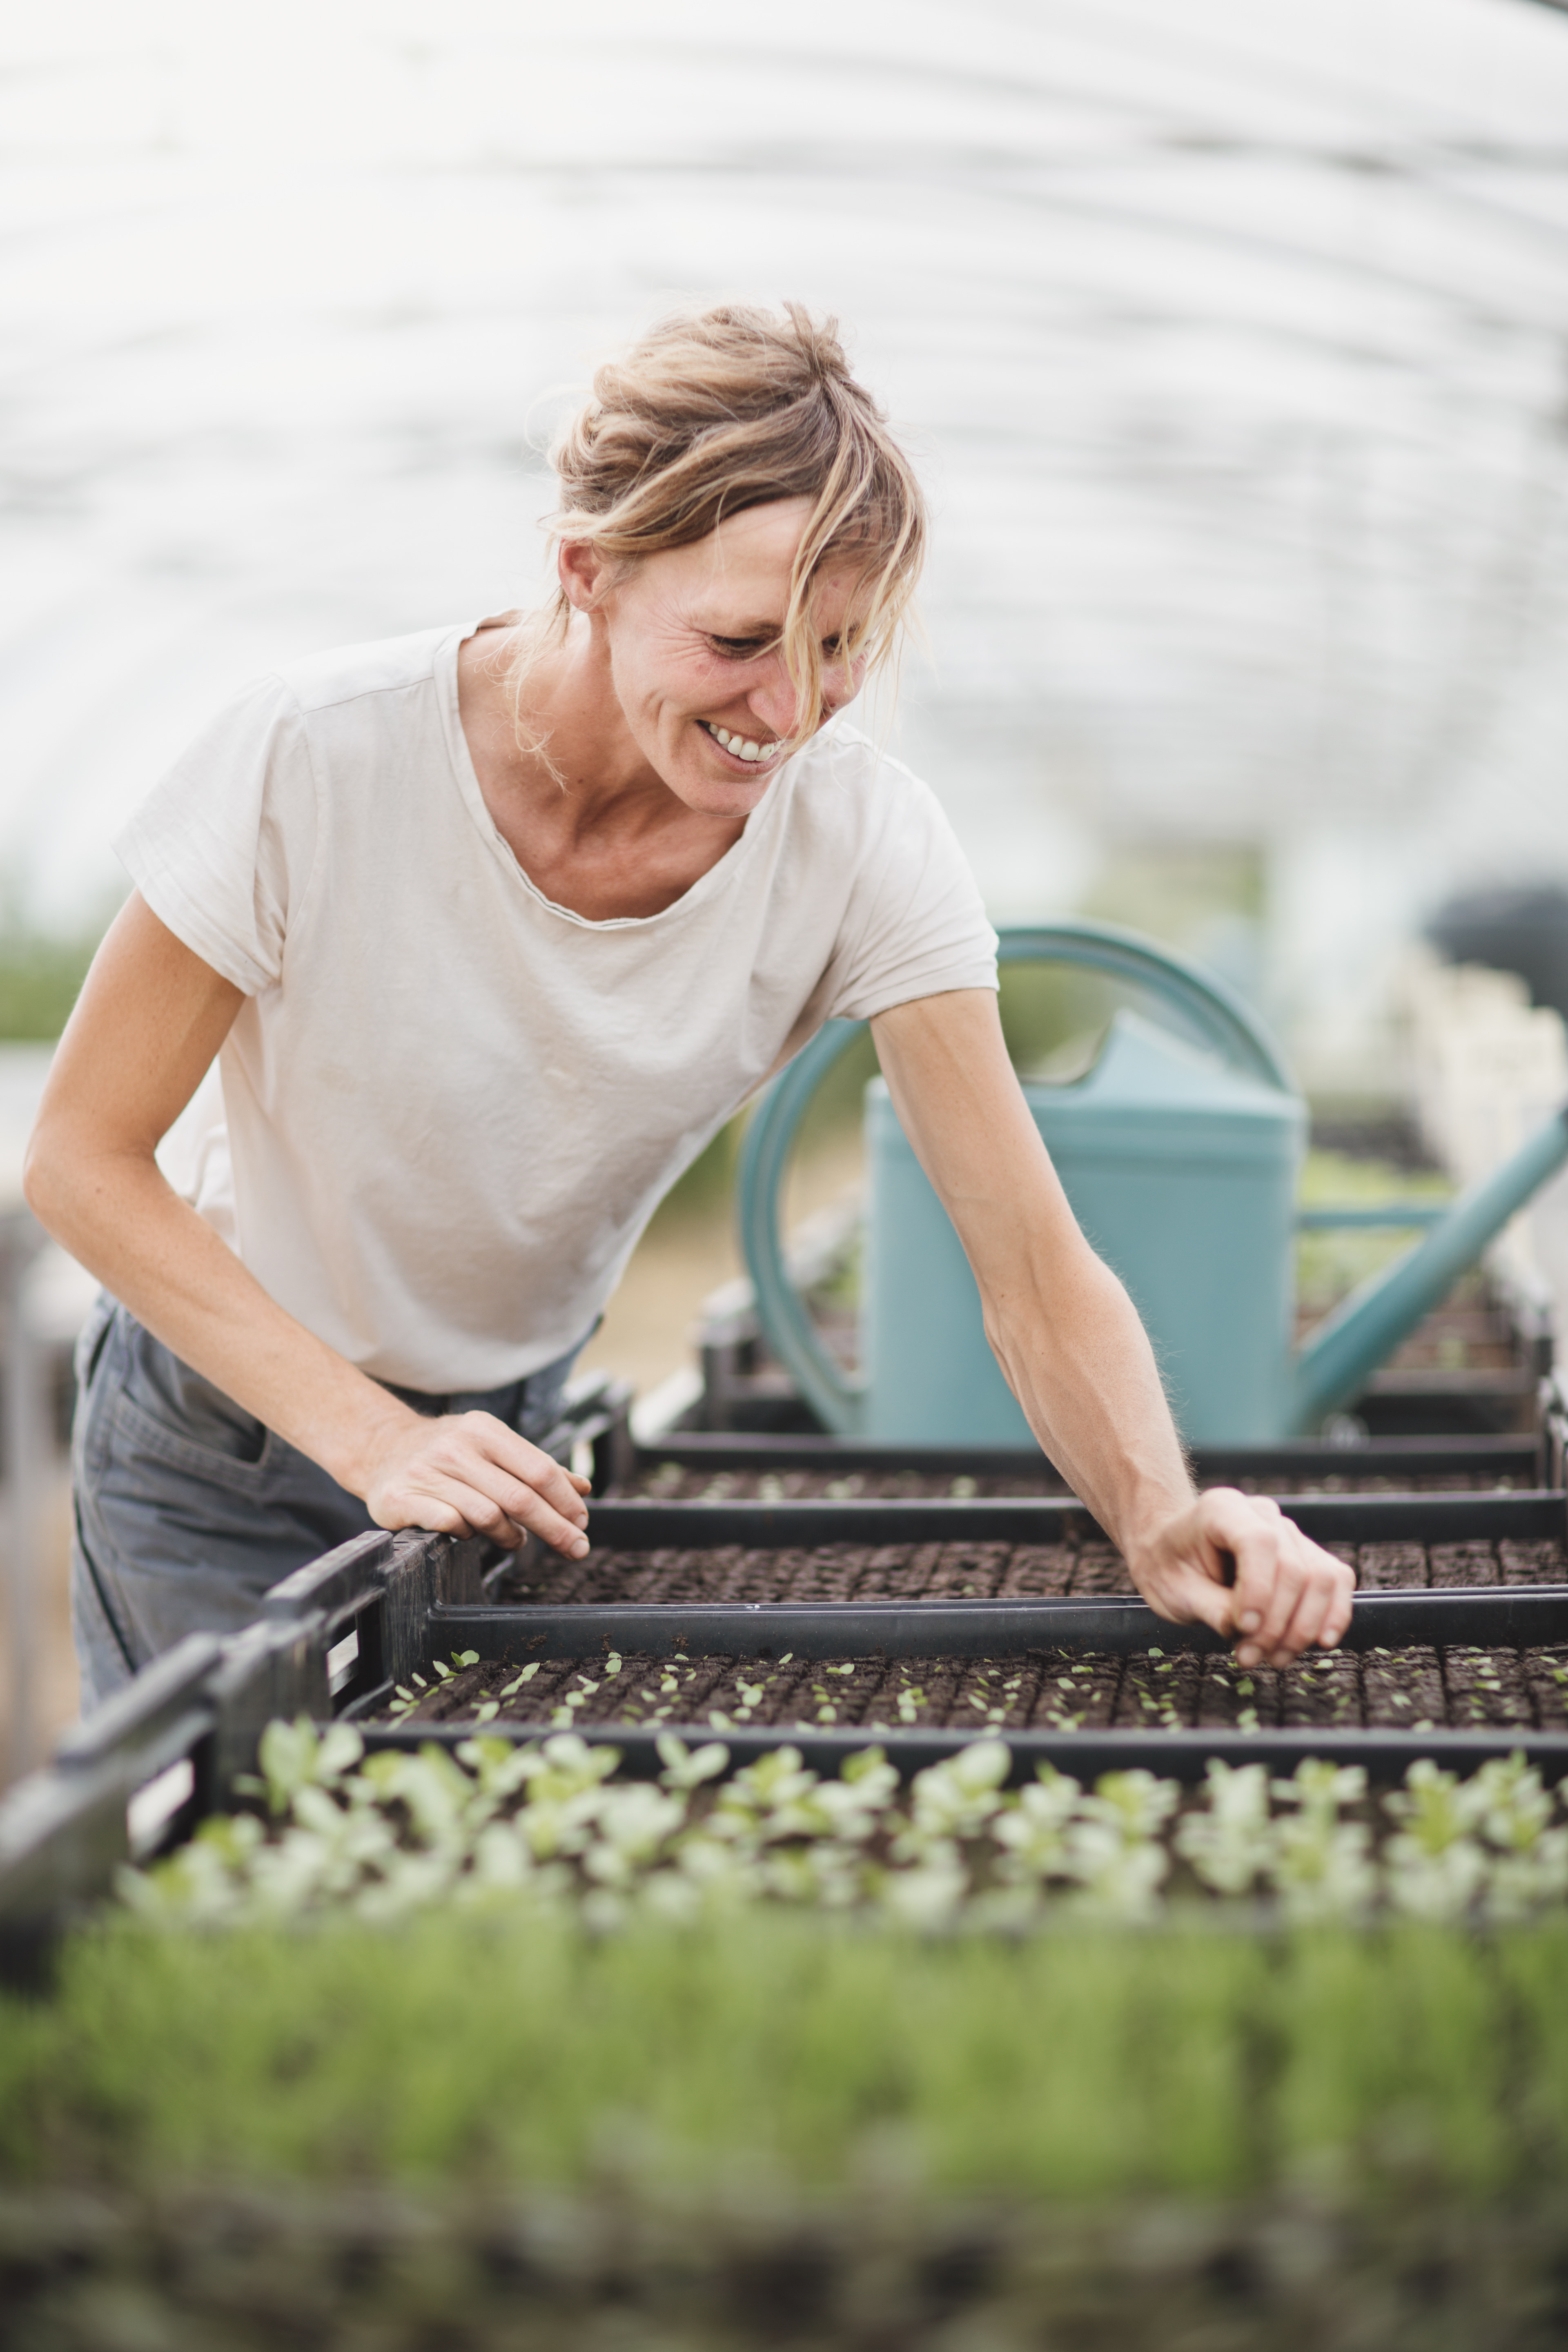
point(718, 410)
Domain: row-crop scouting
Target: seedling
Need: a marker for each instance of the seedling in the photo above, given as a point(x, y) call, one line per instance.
point(460, 1658)
point(550, 1823)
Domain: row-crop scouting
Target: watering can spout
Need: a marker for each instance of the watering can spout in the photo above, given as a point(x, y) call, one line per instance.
point(1365, 1328)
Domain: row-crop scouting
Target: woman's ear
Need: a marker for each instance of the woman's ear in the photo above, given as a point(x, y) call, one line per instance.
point(583, 572)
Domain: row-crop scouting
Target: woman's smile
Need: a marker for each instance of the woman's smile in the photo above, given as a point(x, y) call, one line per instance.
point(745, 749)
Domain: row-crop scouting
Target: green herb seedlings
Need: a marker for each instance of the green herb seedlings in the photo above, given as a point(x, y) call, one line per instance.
point(552, 1823)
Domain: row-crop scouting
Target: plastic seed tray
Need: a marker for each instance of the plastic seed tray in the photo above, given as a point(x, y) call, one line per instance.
point(704, 1467)
point(831, 1574)
point(832, 1620)
point(726, 1620)
point(1395, 1686)
point(1525, 1514)
point(1454, 1672)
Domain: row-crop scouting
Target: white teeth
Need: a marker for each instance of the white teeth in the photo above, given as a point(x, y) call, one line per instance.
point(740, 749)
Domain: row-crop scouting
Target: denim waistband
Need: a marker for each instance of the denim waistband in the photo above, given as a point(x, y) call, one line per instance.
point(506, 1403)
point(536, 1394)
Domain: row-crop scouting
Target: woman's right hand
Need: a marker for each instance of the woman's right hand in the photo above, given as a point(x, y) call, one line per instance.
point(467, 1474)
point(149, 1019)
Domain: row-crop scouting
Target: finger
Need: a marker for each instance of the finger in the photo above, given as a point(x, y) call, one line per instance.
point(1298, 1591)
point(507, 1518)
point(1227, 1520)
point(527, 1464)
point(1323, 1611)
point(1306, 1622)
point(493, 1503)
point(561, 1487)
point(1250, 1529)
point(443, 1514)
point(1188, 1596)
point(1268, 1582)
point(1342, 1608)
point(533, 1515)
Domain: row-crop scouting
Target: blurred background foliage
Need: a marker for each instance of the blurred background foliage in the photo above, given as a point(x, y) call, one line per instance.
point(40, 975)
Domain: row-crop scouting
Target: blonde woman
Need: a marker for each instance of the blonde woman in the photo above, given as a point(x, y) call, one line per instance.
point(488, 929)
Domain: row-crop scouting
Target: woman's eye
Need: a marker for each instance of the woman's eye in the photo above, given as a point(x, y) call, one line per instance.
point(738, 648)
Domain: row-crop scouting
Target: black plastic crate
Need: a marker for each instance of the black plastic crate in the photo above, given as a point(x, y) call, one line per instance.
point(337, 1638)
point(1514, 1617)
point(696, 1459)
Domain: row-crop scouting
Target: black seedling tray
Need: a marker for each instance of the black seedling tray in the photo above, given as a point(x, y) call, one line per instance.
point(1295, 1462)
point(1492, 1617)
point(1436, 1518)
point(339, 1636)
point(942, 1633)
point(647, 1540)
point(1384, 1756)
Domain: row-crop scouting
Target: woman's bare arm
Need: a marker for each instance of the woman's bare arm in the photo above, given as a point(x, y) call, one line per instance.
point(1075, 1353)
point(151, 1017)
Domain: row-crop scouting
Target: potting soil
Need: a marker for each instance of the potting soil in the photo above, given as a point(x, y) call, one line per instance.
point(964, 1571)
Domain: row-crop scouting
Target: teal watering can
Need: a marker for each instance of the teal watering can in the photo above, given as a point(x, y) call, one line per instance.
point(1180, 1152)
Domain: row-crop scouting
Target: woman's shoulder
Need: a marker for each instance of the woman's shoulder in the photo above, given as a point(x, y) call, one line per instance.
point(849, 789)
point(844, 767)
point(349, 674)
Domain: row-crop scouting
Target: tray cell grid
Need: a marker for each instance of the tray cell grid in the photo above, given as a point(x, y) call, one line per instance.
point(1415, 1689)
point(954, 1572)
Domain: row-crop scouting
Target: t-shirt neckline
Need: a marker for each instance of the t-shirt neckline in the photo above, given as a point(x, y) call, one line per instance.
point(720, 874)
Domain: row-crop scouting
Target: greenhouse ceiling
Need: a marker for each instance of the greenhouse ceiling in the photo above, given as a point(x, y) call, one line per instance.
point(1233, 337)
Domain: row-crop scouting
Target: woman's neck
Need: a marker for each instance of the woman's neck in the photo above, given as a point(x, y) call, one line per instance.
point(591, 824)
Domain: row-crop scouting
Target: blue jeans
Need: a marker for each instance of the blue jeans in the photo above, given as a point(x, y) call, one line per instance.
point(187, 1508)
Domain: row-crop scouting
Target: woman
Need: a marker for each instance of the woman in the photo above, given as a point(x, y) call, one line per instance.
point(489, 930)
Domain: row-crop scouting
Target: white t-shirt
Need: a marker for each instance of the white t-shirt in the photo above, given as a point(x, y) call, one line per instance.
point(450, 1105)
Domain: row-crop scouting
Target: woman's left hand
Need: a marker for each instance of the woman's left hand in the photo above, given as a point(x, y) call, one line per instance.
point(1288, 1594)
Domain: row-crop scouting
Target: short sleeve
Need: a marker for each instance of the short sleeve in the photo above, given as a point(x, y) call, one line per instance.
point(916, 924)
point(222, 849)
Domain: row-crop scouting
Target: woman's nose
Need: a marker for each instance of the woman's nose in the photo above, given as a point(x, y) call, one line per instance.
point(774, 704)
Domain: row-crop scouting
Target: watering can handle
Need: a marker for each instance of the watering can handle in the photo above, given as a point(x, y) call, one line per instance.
point(1210, 1008)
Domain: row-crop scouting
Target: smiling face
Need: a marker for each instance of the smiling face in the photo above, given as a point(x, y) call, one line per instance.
point(691, 637)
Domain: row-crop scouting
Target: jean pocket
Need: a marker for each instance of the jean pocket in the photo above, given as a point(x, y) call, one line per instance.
point(146, 1434)
point(95, 1363)
point(90, 1340)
